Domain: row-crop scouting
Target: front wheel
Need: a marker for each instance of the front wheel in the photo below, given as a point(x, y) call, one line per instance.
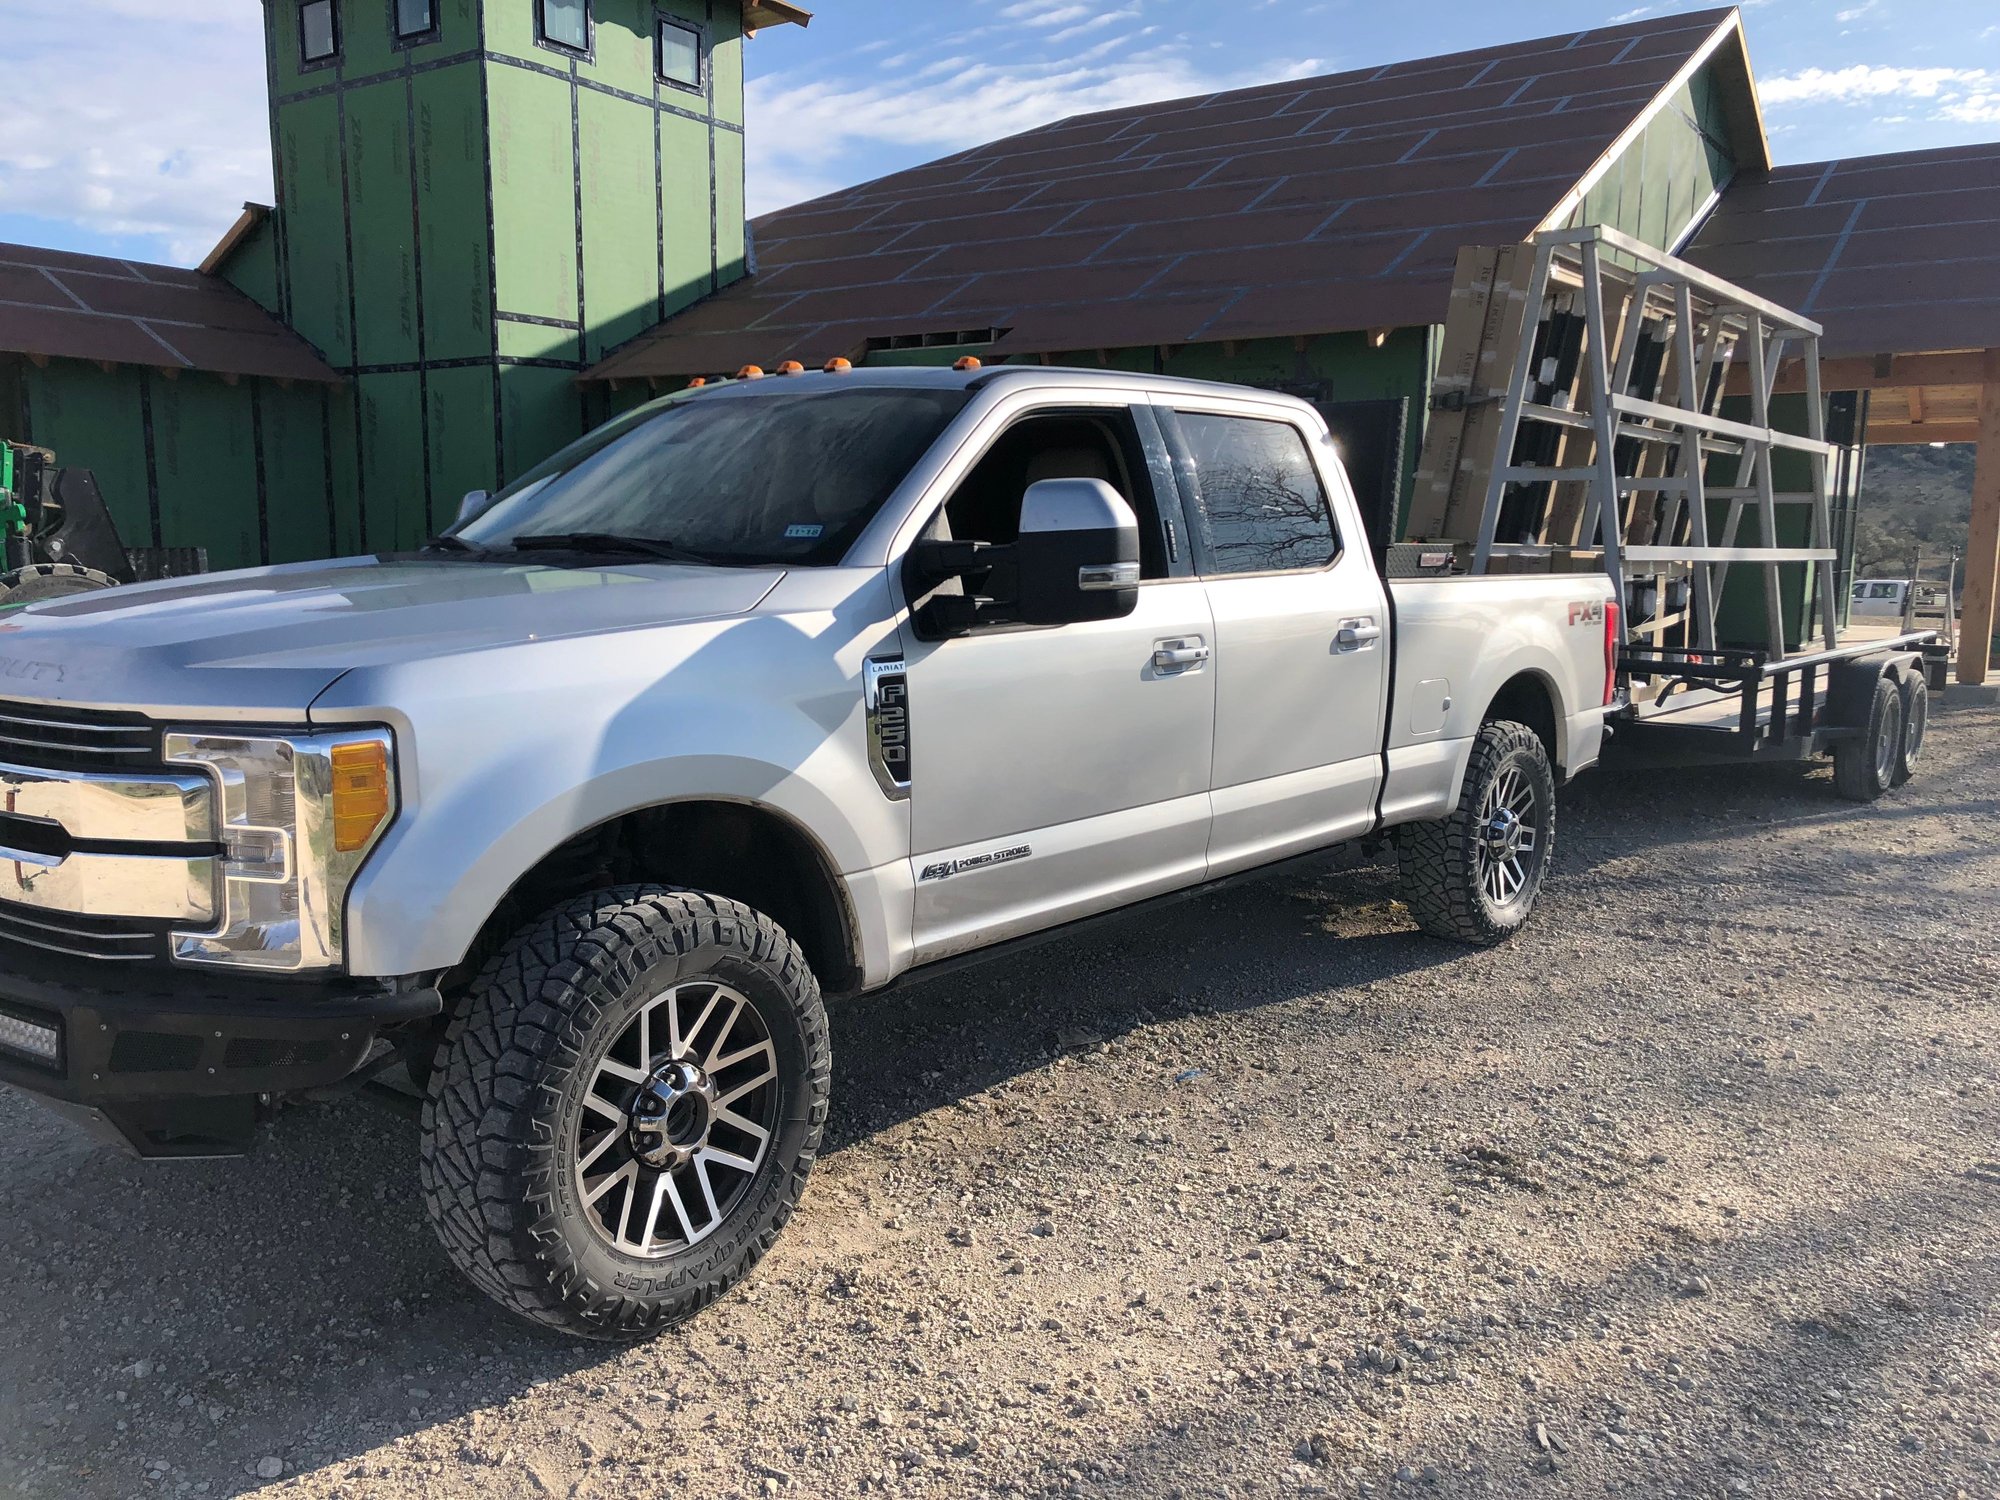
point(1473, 876)
point(624, 1113)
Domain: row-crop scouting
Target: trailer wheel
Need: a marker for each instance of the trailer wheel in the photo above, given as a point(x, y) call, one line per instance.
point(39, 581)
point(1473, 877)
point(1916, 719)
point(1864, 766)
point(624, 1111)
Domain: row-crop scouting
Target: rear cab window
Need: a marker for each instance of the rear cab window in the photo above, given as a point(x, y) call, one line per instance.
point(1260, 505)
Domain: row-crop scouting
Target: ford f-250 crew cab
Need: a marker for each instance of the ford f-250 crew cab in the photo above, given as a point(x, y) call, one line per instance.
point(764, 691)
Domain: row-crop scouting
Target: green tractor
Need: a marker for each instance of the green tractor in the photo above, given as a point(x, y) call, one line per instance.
point(59, 538)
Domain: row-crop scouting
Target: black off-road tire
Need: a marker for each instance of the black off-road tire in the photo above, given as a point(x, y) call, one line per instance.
point(1864, 766)
point(1916, 695)
point(1438, 863)
point(39, 581)
point(503, 1098)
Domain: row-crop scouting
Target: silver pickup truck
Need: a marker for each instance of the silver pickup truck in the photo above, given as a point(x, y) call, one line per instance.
point(767, 691)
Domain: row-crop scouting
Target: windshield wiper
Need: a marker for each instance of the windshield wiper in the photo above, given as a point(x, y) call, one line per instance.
point(454, 544)
point(608, 542)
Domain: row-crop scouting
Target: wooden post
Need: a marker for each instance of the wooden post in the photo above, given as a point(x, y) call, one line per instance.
point(1982, 544)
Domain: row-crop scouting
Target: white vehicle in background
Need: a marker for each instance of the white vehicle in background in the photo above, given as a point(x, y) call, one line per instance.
point(1891, 596)
point(764, 692)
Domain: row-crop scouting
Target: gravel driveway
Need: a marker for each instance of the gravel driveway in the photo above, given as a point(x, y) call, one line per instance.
point(1692, 1190)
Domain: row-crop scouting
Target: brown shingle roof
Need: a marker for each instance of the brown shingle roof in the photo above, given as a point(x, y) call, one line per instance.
point(1892, 254)
point(1310, 206)
point(57, 305)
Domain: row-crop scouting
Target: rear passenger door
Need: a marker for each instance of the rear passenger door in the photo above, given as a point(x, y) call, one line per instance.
point(1301, 634)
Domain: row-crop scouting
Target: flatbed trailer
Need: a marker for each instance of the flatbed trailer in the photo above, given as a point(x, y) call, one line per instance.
point(1717, 706)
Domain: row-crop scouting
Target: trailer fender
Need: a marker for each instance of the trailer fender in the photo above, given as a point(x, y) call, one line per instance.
point(1850, 687)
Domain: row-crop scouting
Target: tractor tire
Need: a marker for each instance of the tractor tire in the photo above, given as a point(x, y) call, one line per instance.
point(1864, 766)
point(1916, 720)
point(1473, 877)
point(39, 581)
point(625, 1109)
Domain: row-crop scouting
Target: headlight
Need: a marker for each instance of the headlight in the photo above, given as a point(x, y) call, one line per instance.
point(299, 814)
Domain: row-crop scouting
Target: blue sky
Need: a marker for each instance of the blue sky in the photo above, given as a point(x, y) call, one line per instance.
point(144, 130)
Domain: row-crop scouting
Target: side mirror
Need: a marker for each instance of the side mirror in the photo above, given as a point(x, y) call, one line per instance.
point(1077, 556)
point(473, 503)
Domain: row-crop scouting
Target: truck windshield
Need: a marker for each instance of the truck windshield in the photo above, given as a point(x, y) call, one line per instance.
point(770, 478)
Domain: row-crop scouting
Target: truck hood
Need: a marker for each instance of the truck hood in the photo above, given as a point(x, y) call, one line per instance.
point(271, 640)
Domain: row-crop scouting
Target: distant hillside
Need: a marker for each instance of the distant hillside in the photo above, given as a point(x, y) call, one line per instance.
point(1912, 496)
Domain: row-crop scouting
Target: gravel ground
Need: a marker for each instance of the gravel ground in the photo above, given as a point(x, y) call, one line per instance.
point(1693, 1190)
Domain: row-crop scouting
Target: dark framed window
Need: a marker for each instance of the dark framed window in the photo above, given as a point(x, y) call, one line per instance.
point(683, 54)
point(415, 19)
point(564, 23)
point(1260, 503)
point(319, 32)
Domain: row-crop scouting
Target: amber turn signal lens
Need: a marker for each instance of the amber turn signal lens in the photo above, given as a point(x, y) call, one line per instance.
point(360, 793)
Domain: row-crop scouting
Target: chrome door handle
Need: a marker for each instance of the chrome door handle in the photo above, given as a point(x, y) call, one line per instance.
point(1356, 635)
point(1179, 656)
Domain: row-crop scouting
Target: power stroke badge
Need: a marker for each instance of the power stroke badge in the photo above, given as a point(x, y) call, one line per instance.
point(950, 867)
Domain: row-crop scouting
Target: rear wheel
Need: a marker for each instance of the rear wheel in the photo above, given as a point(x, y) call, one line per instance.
point(1916, 696)
point(1473, 877)
point(1864, 765)
point(624, 1115)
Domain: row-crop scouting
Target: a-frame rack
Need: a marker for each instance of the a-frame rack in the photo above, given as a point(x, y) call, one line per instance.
point(1611, 423)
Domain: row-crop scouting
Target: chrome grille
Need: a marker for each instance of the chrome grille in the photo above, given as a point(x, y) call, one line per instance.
point(121, 939)
point(37, 734)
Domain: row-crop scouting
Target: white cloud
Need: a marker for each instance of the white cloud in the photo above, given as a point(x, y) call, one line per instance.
point(806, 132)
point(1866, 81)
point(95, 131)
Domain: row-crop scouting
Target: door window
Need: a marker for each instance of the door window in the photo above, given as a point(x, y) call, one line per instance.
point(1260, 502)
point(986, 506)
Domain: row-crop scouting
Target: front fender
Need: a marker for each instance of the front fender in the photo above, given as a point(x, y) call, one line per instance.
point(503, 760)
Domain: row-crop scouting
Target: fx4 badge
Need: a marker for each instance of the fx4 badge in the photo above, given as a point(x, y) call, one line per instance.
point(1587, 614)
point(950, 867)
point(887, 695)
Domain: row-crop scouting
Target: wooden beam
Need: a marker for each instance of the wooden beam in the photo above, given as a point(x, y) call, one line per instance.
point(1982, 544)
point(1873, 372)
point(1915, 396)
point(1922, 432)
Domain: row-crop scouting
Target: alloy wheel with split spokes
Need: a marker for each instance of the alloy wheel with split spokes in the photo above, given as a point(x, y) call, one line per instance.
point(676, 1119)
point(1474, 875)
point(1510, 844)
point(625, 1109)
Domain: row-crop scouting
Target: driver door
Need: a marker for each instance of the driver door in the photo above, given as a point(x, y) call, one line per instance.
point(1060, 771)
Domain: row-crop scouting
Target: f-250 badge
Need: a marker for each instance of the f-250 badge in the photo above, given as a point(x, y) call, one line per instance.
point(887, 695)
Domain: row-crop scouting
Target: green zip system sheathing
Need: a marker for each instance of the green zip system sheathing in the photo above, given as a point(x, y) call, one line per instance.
point(467, 220)
point(1661, 185)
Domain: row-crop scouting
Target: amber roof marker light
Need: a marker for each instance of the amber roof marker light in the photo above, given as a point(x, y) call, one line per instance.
point(838, 366)
point(969, 363)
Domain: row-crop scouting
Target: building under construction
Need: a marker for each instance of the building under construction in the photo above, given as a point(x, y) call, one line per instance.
point(500, 220)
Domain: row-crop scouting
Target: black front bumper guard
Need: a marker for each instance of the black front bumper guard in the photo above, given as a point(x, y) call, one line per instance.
point(178, 1062)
